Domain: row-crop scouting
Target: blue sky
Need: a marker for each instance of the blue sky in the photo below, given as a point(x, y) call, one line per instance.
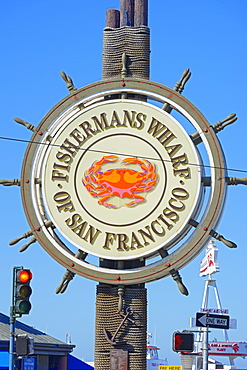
point(38, 40)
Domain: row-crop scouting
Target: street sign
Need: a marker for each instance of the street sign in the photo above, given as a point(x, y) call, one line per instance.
point(216, 311)
point(212, 321)
point(170, 367)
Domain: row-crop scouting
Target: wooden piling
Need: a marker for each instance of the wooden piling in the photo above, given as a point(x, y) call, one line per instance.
point(126, 13)
point(113, 18)
point(126, 53)
point(140, 13)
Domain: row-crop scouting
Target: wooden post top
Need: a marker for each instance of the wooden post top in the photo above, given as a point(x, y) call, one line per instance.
point(133, 13)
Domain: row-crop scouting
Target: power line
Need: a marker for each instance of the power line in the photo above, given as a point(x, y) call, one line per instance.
point(123, 154)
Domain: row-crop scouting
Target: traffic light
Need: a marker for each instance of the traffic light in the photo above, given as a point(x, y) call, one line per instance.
point(183, 342)
point(22, 292)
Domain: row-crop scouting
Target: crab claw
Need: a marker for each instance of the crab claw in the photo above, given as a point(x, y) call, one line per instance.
point(104, 203)
point(133, 160)
point(138, 198)
point(106, 159)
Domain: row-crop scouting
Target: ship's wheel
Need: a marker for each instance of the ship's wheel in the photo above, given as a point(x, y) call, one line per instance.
point(128, 171)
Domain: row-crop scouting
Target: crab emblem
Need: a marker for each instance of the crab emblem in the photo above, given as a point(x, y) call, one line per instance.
point(120, 182)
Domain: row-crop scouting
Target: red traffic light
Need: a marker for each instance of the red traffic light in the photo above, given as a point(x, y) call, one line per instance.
point(24, 276)
point(183, 342)
point(22, 292)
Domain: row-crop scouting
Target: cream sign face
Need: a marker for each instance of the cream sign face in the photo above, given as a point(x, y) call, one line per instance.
point(121, 179)
point(107, 174)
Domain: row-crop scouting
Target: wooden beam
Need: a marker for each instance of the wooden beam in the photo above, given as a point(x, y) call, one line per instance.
point(113, 18)
point(140, 13)
point(126, 13)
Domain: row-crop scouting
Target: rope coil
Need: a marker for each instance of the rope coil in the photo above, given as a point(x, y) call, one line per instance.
point(135, 43)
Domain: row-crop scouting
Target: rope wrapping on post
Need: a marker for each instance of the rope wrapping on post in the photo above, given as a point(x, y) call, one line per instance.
point(133, 333)
point(135, 43)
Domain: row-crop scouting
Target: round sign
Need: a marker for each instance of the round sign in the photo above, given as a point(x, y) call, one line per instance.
point(109, 173)
point(121, 178)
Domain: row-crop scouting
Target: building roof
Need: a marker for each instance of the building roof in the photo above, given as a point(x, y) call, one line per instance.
point(42, 341)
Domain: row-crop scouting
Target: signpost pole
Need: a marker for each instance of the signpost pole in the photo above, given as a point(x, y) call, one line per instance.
point(205, 348)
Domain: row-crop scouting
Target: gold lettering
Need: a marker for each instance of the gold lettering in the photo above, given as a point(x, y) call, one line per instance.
point(73, 221)
point(86, 126)
point(63, 157)
point(69, 147)
point(181, 159)
point(159, 233)
point(79, 230)
point(184, 172)
point(180, 193)
point(77, 136)
point(56, 175)
point(173, 149)
point(131, 120)
point(91, 234)
point(101, 124)
point(135, 121)
point(61, 167)
point(109, 239)
point(166, 137)
point(122, 242)
point(66, 207)
point(135, 242)
point(176, 208)
point(169, 226)
point(146, 234)
point(115, 119)
point(173, 216)
point(63, 198)
point(155, 127)
point(141, 120)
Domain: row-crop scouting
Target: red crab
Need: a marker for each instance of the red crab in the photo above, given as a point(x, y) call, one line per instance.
point(120, 182)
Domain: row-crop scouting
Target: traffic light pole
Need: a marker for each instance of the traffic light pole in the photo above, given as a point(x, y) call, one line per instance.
point(11, 339)
point(12, 318)
point(12, 323)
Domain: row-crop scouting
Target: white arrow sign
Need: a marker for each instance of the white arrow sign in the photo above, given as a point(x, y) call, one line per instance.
point(212, 321)
point(232, 323)
point(203, 320)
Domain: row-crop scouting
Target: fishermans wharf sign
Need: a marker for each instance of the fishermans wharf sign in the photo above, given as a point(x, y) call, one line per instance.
point(111, 176)
point(121, 178)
